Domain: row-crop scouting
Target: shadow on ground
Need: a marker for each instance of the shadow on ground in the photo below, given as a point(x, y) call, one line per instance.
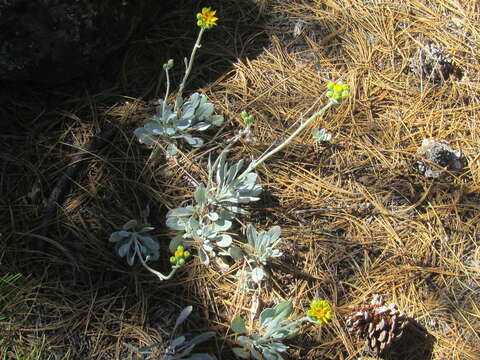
point(83, 302)
point(415, 344)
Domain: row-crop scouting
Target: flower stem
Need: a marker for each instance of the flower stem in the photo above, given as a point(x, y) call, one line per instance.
point(188, 70)
point(160, 276)
point(166, 93)
point(262, 159)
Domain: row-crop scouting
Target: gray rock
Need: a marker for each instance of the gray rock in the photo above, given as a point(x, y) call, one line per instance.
point(54, 41)
point(440, 154)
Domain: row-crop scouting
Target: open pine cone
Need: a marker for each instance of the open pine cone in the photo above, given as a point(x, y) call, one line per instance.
point(377, 324)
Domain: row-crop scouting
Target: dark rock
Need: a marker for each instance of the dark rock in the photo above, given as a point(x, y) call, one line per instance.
point(440, 157)
point(54, 41)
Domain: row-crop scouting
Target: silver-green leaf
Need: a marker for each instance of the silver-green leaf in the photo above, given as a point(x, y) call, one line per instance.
point(238, 325)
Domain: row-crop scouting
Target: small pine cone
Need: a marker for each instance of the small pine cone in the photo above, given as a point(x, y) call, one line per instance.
point(377, 324)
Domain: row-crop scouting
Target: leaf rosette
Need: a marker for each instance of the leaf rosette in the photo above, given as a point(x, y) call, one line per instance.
point(207, 222)
point(266, 341)
point(261, 248)
point(180, 347)
point(196, 114)
point(129, 242)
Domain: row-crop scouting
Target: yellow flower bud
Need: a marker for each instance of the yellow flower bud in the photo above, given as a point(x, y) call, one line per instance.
point(179, 253)
point(173, 259)
point(338, 88)
point(186, 254)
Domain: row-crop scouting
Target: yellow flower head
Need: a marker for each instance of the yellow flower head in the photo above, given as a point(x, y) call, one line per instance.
point(179, 253)
point(207, 18)
point(320, 311)
point(337, 92)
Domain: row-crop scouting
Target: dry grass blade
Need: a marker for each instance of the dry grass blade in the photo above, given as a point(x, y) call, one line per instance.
point(357, 217)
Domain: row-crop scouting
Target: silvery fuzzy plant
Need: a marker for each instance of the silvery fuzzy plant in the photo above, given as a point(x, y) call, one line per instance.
point(261, 248)
point(179, 348)
point(266, 343)
point(321, 136)
point(174, 122)
point(206, 223)
point(133, 244)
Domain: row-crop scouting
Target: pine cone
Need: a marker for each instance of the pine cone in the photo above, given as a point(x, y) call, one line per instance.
point(377, 324)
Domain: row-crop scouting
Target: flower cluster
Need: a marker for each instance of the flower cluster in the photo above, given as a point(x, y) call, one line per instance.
point(168, 65)
point(247, 119)
point(206, 19)
point(179, 256)
point(337, 92)
point(320, 311)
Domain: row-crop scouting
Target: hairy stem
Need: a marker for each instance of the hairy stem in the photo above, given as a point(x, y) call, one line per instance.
point(188, 70)
point(160, 276)
point(166, 93)
point(261, 160)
